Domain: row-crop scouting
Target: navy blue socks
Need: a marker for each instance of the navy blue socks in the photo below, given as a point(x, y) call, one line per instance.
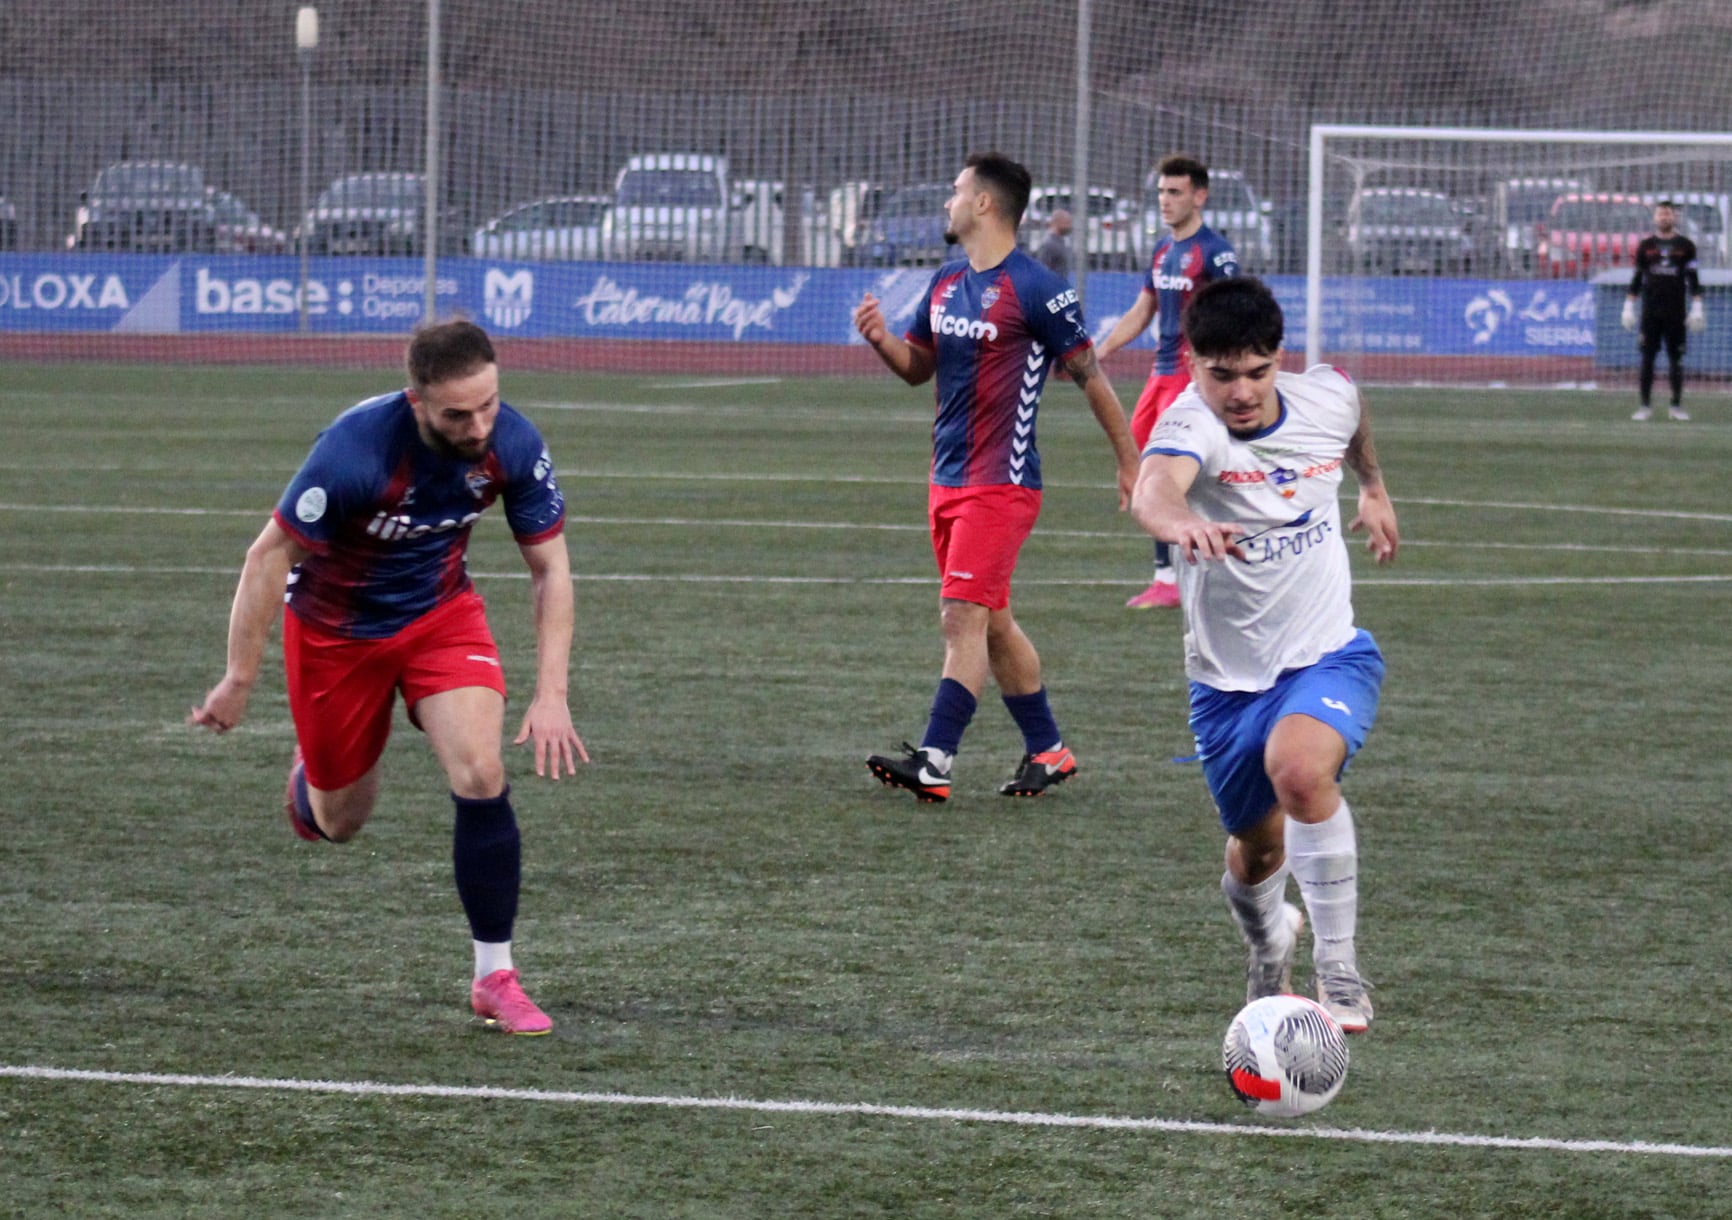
point(952, 708)
point(1033, 715)
point(303, 802)
point(487, 856)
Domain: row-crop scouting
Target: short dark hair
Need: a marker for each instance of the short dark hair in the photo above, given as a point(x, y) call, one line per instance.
point(1231, 317)
point(445, 351)
point(1665, 203)
point(1007, 181)
point(1184, 165)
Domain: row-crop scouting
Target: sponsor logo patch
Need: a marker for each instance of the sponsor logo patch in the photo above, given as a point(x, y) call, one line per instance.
point(311, 506)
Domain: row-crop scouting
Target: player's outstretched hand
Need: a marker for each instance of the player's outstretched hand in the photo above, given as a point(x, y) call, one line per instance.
point(223, 708)
point(1377, 518)
point(548, 724)
point(1200, 539)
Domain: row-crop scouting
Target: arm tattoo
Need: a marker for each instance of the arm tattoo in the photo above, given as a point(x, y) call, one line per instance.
point(1361, 456)
point(1083, 367)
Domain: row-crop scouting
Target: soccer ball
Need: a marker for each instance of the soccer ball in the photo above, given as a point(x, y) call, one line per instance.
point(1285, 1056)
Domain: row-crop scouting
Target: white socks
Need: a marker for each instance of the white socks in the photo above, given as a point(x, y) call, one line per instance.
point(490, 957)
point(939, 759)
point(1324, 859)
point(1256, 908)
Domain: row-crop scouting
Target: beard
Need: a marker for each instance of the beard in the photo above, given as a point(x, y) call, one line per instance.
point(470, 452)
point(950, 238)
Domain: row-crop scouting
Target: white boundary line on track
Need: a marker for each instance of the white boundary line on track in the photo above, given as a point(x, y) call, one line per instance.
point(365, 1088)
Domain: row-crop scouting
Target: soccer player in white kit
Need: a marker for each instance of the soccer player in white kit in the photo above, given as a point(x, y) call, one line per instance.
point(1242, 475)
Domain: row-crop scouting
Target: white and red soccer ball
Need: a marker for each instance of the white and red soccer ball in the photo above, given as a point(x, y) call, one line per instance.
point(1285, 1056)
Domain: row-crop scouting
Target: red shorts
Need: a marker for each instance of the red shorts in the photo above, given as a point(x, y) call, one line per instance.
point(1156, 397)
point(342, 690)
point(977, 533)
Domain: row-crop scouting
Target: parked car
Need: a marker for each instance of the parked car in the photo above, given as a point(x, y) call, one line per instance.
point(671, 207)
point(909, 229)
point(1111, 238)
point(371, 213)
point(1587, 233)
point(237, 229)
point(1233, 209)
point(1705, 218)
point(1406, 230)
point(557, 228)
point(1518, 206)
point(145, 206)
point(1290, 223)
point(8, 224)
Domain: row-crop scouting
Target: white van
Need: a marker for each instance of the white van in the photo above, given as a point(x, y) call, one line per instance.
point(671, 207)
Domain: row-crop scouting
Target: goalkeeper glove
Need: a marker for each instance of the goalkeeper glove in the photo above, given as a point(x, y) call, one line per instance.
point(1629, 318)
point(1698, 319)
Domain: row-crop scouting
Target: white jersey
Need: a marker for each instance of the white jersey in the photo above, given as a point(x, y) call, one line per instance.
point(1290, 601)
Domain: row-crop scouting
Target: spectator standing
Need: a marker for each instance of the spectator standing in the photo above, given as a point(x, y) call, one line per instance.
point(1054, 252)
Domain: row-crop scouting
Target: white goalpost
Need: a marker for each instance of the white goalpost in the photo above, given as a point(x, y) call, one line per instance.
point(1534, 225)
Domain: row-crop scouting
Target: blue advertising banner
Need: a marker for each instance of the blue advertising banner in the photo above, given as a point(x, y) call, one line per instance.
point(167, 294)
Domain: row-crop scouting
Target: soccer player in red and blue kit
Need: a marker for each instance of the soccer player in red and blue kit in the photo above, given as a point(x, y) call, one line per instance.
point(1189, 256)
point(369, 541)
point(990, 328)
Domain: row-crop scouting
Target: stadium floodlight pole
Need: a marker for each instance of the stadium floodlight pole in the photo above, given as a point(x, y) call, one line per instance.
point(1080, 188)
point(306, 42)
point(430, 244)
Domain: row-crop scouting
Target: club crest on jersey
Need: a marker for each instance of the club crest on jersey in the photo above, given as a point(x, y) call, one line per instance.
point(1284, 481)
point(478, 482)
point(989, 297)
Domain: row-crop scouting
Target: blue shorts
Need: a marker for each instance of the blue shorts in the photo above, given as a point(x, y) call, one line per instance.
point(1232, 727)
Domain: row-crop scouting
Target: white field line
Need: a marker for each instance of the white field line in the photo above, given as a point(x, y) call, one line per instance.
point(367, 1088)
point(675, 578)
point(735, 477)
point(915, 527)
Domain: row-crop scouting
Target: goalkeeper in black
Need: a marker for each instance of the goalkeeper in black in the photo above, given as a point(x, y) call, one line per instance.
point(1665, 300)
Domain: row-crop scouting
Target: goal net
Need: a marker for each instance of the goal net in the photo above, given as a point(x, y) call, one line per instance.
point(1501, 255)
point(676, 185)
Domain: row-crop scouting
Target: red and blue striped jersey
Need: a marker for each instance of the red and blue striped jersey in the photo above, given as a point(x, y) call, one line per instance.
point(995, 336)
point(387, 519)
point(1178, 268)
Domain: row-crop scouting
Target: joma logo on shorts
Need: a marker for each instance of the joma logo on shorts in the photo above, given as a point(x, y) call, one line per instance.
point(389, 528)
point(962, 328)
